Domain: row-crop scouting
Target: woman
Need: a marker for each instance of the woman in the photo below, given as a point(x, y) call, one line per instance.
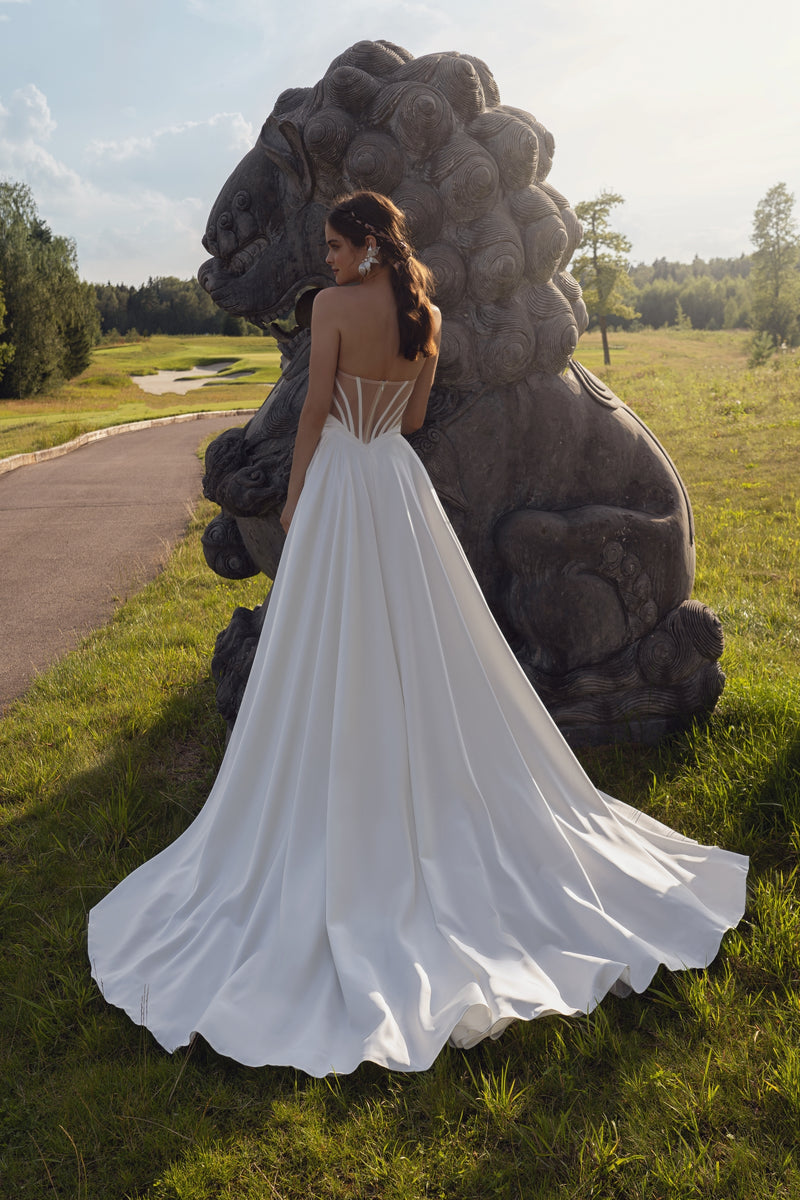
point(400, 848)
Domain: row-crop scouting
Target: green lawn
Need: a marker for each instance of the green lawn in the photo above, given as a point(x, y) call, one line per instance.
point(104, 394)
point(692, 1090)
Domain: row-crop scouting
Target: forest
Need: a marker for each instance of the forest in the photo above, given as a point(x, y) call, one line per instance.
point(164, 305)
point(705, 295)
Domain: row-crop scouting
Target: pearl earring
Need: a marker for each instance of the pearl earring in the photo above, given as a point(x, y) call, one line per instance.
point(366, 264)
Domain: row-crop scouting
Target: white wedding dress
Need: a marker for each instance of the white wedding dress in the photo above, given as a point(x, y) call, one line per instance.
point(400, 848)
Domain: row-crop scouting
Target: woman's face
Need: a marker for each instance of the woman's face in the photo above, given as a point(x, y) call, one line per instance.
point(343, 257)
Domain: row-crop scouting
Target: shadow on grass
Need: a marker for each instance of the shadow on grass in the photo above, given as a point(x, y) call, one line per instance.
point(96, 1108)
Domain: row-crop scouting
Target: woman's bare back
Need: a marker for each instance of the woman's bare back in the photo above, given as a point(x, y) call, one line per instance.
point(369, 346)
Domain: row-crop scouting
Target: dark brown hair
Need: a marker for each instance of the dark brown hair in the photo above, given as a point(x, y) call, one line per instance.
point(363, 213)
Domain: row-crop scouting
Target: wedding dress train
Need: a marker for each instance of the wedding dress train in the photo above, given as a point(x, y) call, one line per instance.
point(399, 848)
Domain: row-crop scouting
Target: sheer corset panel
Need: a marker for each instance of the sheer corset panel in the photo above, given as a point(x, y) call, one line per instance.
point(369, 408)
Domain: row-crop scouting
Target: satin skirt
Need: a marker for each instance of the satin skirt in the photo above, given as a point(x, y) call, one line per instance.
point(400, 848)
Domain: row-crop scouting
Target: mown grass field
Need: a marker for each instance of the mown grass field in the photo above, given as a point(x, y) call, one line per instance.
point(104, 394)
point(691, 1090)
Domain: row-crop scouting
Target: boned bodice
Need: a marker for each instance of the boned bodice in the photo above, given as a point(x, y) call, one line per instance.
point(370, 408)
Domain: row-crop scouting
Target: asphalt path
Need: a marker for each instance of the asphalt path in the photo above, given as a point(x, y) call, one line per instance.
point(81, 533)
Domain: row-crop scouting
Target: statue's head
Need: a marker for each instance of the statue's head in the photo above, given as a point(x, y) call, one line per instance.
point(468, 173)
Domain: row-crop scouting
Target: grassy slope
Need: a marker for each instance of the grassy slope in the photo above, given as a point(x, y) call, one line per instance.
point(104, 394)
point(690, 1091)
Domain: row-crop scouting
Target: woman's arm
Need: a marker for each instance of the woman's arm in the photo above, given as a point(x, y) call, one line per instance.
point(325, 339)
point(414, 413)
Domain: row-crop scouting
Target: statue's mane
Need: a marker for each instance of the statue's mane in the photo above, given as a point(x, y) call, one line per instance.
point(469, 173)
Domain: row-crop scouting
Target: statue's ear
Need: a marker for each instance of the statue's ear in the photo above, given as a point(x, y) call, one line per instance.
point(282, 143)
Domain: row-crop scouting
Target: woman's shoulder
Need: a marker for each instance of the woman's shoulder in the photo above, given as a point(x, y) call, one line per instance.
point(335, 303)
point(328, 311)
point(327, 300)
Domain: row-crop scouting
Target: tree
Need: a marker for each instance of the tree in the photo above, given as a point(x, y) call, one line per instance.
point(6, 350)
point(776, 278)
point(78, 343)
point(602, 270)
point(51, 315)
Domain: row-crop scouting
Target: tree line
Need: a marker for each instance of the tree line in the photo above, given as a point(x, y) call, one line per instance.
point(163, 305)
point(705, 295)
point(760, 291)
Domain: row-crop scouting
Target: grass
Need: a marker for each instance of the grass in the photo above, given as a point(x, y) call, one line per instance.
point(104, 394)
point(734, 435)
point(692, 1090)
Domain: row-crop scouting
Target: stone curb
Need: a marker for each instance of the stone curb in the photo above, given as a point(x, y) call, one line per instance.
point(35, 456)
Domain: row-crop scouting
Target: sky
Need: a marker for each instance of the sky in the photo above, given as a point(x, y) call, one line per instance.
point(125, 117)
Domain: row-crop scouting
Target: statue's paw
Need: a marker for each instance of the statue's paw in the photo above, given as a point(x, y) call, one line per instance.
point(567, 616)
point(252, 491)
point(574, 596)
point(656, 686)
point(234, 651)
point(225, 551)
point(226, 454)
point(682, 653)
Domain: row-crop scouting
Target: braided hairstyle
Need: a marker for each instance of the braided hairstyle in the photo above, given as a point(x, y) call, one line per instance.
point(363, 213)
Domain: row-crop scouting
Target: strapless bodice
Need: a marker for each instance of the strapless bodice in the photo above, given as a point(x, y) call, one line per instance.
point(370, 408)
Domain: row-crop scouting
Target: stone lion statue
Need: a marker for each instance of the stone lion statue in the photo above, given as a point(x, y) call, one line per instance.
point(572, 515)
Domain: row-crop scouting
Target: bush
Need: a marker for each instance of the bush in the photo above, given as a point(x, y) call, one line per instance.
point(761, 348)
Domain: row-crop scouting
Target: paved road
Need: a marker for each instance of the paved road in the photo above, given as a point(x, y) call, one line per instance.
point(80, 533)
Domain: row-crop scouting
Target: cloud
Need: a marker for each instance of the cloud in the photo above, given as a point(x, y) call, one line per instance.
point(175, 158)
point(134, 236)
point(236, 133)
point(28, 116)
point(138, 207)
point(122, 234)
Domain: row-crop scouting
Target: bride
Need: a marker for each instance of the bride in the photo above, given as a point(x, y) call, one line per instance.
point(400, 849)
